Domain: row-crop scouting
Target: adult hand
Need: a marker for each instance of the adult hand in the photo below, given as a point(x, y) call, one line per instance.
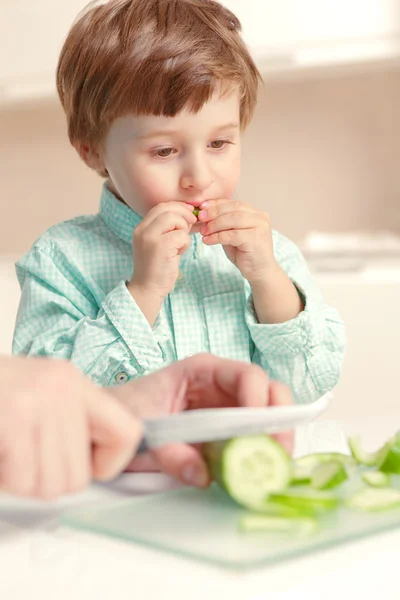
point(58, 431)
point(202, 381)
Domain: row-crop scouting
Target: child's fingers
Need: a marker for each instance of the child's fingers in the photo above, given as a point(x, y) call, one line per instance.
point(232, 220)
point(164, 223)
point(177, 208)
point(239, 238)
point(176, 242)
point(214, 208)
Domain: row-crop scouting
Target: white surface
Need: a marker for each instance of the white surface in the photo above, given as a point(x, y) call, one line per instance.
point(38, 560)
point(369, 304)
point(289, 36)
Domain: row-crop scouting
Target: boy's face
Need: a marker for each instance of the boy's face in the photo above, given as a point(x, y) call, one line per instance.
point(187, 158)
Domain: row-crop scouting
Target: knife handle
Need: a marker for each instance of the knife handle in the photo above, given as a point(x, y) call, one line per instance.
point(142, 448)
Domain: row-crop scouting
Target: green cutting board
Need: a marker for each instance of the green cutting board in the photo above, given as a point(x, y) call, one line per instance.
point(203, 525)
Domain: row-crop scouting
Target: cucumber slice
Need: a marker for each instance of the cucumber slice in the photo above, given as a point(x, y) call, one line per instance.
point(303, 467)
point(310, 461)
point(376, 478)
point(370, 459)
point(301, 477)
point(196, 212)
point(277, 509)
point(312, 500)
point(257, 523)
point(375, 499)
point(249, 468)
point(390, 462)
point(328, 475)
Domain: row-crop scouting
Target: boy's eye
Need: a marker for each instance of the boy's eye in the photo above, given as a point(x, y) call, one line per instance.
point(219, 144)
point(165, 152)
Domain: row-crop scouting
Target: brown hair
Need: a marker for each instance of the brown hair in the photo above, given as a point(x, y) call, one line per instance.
point(150, 57)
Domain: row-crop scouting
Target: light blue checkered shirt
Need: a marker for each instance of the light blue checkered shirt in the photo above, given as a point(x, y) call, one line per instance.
point(75, 305)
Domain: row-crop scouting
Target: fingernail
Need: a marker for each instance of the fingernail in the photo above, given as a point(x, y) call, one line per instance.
point(203, 214)
point(204, 204)
point(195, 475)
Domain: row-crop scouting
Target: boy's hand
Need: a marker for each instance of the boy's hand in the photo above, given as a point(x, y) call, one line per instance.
point(245, 234)
point(158, 243)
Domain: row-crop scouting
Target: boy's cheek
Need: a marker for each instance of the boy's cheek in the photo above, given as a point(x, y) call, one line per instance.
point(231, 179)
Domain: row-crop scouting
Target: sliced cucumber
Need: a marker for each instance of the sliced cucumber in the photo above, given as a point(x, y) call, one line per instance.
point(196, 212)
point(376, 478)
point(313, 500)
point(298, 526)
point(276, 509)
point(390, 462)
point(370, 459)
point(310, 461)
point(303, 467)
point(375, 499)
point(328, 475)
point(301, 477)
point(249, 468)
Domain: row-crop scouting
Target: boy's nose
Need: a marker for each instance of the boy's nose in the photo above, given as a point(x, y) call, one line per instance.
point(196, 177)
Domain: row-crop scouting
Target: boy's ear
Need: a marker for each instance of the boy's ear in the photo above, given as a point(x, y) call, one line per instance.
point(90, 156)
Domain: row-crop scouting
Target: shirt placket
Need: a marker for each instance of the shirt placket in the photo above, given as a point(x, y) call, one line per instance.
point(186, 312)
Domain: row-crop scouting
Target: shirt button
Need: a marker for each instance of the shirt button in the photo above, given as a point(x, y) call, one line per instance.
point(121, 377)
point(180, 275)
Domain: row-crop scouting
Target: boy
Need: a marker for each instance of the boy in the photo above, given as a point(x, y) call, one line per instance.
point(157, 93)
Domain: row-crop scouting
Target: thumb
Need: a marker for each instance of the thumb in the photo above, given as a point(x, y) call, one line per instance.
point(114, 434)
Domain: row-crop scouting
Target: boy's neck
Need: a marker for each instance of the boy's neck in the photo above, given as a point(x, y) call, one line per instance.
point(112, 189)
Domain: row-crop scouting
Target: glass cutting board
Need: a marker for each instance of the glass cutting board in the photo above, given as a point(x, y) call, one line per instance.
point(203, 525)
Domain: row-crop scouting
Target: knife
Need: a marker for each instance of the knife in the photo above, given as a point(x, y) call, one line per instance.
point(206, 425)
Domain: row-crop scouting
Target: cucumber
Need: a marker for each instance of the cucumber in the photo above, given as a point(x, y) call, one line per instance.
point(276, 509)
point(303, 467)
point(249, 468)
point(375, 499)
point(298, 526)
point(328, 475)
point(376, 478)
point(196, 212)
point(313, 460)
point(312, 500)
point(369, 459)
point(390, 462)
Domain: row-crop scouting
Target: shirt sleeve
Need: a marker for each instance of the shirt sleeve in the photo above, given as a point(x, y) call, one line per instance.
point(106, 336)
point(306, 352)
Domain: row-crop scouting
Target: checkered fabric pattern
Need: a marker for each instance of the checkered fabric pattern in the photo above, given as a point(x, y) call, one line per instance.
point(75, 305)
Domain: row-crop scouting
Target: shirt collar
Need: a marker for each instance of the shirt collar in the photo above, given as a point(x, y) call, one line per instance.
point(121, 219)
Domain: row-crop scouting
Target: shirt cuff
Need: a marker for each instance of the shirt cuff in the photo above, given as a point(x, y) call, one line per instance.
point(131, 324)
point(298, 335)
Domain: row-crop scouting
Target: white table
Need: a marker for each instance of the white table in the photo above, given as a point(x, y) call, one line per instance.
point(38, 559)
